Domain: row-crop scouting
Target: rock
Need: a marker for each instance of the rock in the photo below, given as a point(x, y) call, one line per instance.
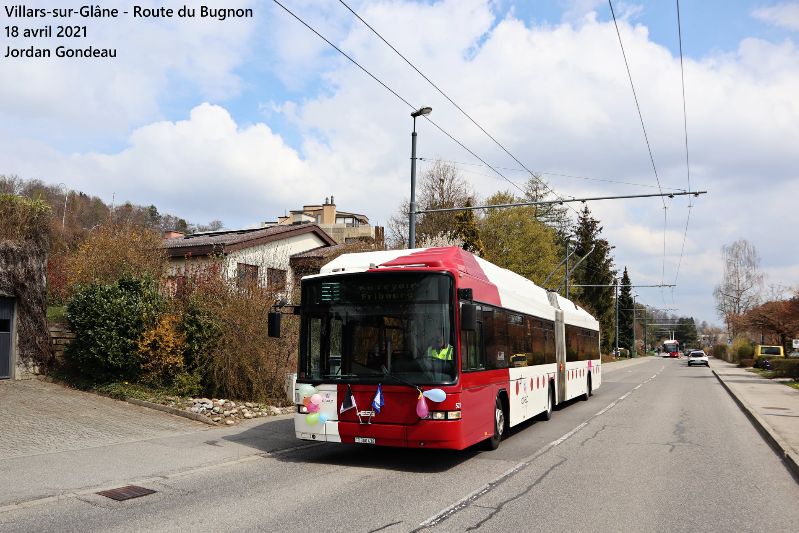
point(248, 416)
point(229, 422)
point(194, 409)
point(233, 404)
point(216, 419)
point(249, 405)
point(261, 413)
point(274, 411)
point(226, 413)
point(234, 411)
point(217, 409)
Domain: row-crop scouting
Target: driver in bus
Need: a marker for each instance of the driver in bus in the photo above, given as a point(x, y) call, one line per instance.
point(440, 350)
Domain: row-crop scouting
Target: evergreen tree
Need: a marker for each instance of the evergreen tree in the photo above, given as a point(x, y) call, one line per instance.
point(467, 230)
point(686, 332)
point(597, 269)
point(626, 312)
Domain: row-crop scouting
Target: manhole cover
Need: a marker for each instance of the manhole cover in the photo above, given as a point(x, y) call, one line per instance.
point(126, 493)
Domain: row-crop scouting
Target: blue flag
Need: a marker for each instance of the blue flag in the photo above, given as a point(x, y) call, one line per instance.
point(377, 403)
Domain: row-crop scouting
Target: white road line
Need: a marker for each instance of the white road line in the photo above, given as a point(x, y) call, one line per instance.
point(465, 501)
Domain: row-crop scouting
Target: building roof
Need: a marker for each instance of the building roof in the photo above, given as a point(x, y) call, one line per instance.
point(215, 242)
point(322, 251)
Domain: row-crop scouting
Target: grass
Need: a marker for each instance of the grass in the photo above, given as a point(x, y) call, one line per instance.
point(771, 374)
point(57, 313)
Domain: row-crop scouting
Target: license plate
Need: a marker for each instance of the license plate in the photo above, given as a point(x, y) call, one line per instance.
point(364, 440)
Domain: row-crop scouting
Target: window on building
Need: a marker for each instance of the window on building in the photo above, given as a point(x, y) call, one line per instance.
point(246, 275)
point(275, 279)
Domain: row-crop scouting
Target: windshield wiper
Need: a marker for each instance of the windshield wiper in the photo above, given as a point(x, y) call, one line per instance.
point(399, 380)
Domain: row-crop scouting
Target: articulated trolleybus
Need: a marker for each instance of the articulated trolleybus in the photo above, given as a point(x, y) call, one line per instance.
point(434, 348)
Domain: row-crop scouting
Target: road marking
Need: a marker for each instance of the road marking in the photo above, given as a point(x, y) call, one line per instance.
point(484, 489)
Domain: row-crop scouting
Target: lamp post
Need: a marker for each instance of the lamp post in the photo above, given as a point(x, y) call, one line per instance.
point(412, 208)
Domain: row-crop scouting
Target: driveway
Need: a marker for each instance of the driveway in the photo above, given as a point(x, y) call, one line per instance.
point(42, 418)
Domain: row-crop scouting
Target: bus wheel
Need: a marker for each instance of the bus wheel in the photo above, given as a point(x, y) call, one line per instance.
point(492, 443)
point(588, 391)
point(546, 415)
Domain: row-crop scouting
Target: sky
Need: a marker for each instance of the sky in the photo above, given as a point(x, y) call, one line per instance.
point(243, 119)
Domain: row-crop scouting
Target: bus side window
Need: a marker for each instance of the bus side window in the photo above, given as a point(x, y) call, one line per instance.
point(472, 353)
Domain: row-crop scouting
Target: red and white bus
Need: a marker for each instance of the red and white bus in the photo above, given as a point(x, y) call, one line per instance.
point(671, 348)
point(434, 348)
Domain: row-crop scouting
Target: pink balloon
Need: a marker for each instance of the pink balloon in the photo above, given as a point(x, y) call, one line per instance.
point(421, 407)
point(316, 398)
point(313, 408)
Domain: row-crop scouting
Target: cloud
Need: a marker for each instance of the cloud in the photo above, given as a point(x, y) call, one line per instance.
point(783, 15)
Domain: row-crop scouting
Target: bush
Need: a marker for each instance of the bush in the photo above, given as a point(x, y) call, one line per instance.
point(746, 363)
point(719, 351)
point(786, 368)
point(107, 321)
point(741, 349)
point(115, 252)
point(161, 349)
point(188, 384)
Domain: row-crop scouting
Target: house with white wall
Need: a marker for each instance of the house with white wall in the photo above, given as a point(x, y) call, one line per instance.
point(259, 255)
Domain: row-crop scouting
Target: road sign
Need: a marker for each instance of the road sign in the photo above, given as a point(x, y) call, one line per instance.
point(796, 343)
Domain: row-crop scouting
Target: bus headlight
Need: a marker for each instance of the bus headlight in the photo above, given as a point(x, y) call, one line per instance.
point(444, 415)
point(302, 409)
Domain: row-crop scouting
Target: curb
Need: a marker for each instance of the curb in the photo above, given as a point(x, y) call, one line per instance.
point(173, 411)
point(774, 440)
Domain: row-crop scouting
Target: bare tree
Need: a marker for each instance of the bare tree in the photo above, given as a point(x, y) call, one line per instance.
point(742, 283)
point(439, 187)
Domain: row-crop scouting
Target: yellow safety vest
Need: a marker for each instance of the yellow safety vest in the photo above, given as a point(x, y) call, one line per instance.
point(444, 354)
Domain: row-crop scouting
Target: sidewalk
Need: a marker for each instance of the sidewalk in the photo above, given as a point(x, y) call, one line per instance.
point(772, 407)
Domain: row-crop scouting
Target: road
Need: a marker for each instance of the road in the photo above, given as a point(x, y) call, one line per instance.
point(659, 447)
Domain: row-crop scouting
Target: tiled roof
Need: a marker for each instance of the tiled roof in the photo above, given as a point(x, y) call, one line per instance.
point(322, 251)
point(229, 241)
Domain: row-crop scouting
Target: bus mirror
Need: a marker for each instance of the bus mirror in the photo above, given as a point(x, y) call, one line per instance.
point(273, 324)
point(468, 316)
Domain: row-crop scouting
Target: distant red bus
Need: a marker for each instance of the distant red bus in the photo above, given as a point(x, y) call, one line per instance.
point(434, 348)
point(671, 347)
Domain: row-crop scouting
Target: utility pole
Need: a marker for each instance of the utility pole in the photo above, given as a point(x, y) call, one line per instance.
point(616, 290)
point(566, 291)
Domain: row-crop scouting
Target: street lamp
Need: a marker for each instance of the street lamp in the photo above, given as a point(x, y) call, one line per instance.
point(412, 208)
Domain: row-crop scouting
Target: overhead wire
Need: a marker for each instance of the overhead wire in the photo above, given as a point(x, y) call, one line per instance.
point(392, 91)
point(450, 100)
point(646, 138)
point(556, 174)
point(687, 160)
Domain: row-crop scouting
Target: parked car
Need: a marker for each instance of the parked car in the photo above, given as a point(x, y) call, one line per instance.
point(762, 349)
point(793, 354)
point(698, 357)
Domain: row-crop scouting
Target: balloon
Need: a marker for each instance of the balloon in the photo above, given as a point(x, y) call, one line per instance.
point(421, 407)
point(323, 418)
point(316, 398)
point(307, 389)
point(313, 408)
point(306, 401)
point(435, 395)
point(312, 419)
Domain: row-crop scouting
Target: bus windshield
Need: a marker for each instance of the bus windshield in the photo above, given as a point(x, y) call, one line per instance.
point(357, 327)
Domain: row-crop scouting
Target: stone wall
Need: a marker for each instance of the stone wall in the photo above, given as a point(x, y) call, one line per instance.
point(60, 336)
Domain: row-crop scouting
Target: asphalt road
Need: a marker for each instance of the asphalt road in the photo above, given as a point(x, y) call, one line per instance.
point(659, 447)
